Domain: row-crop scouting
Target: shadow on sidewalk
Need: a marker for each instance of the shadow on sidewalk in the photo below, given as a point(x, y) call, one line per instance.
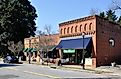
point(85, 78)
point(7, 65)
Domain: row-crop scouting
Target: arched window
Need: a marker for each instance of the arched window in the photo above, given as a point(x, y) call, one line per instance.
point(76, 28)
point(61, 31)
point(85, 26)
point(64, 30)
point(90, 26)
point(72, 29)
point(80, 27)
point(68, 30)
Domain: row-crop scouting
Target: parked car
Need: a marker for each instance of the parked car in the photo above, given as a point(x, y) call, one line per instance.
point(10, 59)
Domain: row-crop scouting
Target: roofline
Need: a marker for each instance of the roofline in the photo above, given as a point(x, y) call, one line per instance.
point(78, 20)
point(84, 19)
point(42, 35)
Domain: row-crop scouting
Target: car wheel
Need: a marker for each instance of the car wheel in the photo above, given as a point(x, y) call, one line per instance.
point(4, 61)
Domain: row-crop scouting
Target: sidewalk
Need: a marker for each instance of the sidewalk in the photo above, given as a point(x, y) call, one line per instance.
point(106, 70)
point(114, 70)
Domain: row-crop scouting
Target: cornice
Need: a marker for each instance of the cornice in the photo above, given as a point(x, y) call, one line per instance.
point(78, 34)
point(86, 18)
point(78, 20)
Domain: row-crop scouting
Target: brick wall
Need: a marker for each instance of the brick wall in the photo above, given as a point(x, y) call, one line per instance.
point(107, 30)
point(85, 25)
point(33, 42)
point(101, 32)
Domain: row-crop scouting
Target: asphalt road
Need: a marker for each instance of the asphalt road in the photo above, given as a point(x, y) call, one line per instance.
point(32, 71)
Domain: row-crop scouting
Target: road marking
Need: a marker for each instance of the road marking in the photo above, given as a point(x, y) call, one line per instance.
point(34, 73)
point(50, 76)
point(11, 68)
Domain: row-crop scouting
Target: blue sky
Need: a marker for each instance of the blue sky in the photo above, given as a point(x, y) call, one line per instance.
point(53, 12)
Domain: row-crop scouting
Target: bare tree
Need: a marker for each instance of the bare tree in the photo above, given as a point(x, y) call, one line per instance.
point(15, 47)
point(93, 11)
point(39, 32)
point(116, 5)
point(47, 29)
point(45, 38)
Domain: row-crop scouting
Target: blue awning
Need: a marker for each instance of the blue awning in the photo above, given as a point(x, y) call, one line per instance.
point(74, 43)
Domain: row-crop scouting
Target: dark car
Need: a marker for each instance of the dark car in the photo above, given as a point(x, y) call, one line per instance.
point(10, 59)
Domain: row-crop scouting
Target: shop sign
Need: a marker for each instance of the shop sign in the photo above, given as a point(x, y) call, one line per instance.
point(88, 61)
point(69, 51)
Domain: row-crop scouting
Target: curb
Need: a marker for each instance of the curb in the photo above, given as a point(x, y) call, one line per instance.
point(97, 71)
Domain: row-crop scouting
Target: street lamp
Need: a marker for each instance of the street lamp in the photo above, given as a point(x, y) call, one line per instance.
point(83, 54)
point(29, 51)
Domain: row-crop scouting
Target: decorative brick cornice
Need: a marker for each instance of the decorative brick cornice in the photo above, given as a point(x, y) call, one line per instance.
point(78, 34)
point(78, 20)
point(86, 18)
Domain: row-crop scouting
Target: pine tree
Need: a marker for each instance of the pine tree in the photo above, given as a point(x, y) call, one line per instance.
point(119, 20)
point(102, 14)
point(111, 16)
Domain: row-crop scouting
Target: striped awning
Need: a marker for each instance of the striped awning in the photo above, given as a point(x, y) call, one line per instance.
point(25, 49)
point(33, 50)
point(29, 50)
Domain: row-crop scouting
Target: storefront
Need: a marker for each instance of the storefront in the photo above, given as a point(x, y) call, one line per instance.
point(30, 52)
point(98, 41)
point(72, 49)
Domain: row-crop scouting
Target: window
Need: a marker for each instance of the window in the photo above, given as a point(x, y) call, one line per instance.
point(76, 28)
point(68, 30)
point(61, 31)
point(112, 42)
point(64, 30)
point(85, 27)
point(90, 26)
point(80, 28)
point(72, 29)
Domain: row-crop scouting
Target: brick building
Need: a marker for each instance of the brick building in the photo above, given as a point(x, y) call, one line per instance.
point(36, 44)
point(99, 37)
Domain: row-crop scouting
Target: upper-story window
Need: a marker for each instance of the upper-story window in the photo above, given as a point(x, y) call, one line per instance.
point(80, 27)
point(72, 29)
point(61, 31)
point(85, 26)
point(68, 30)
point(90, 26)
point(76, 28)
point(64, 30)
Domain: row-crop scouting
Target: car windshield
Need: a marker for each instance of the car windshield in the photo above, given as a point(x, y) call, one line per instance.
point(9, 57)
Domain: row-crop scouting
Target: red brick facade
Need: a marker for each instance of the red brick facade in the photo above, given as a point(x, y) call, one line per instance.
point(33, 42)
point(101, 30)
point(39, 42)
point(105, 52)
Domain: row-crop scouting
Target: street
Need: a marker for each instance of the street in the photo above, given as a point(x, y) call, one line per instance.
point(33, 71)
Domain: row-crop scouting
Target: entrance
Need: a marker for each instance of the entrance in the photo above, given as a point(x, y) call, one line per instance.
point(75, 57)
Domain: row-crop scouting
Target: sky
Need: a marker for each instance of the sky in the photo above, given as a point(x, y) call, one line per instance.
point(53, 12)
